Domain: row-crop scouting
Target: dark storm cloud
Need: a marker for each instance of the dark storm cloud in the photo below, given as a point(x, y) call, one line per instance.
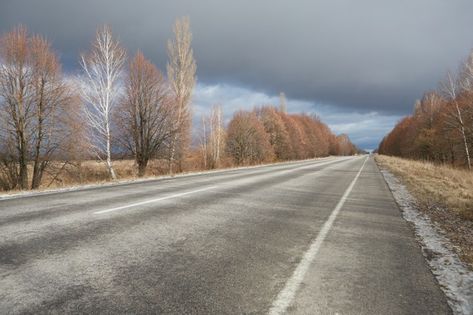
point(364, 55)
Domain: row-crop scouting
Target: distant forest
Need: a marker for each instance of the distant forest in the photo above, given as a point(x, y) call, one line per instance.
point(441, 127)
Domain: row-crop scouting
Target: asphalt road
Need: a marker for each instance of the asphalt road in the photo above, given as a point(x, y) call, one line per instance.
point(312, 237)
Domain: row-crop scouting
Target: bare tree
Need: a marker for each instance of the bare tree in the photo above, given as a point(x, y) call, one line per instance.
point(345, 146)
point(450, 88)
point(204, 140)
point(216, 136)
point(430, 105)
point(100, 90)
point(181, 75)
point(145, 115)
point(466, 84)
point(466, 74)
point(276, 130)
point(212, 138)
point(282, 102)
point(51, 98)
point(17, 107)
point(35, 99)
point(247, 141)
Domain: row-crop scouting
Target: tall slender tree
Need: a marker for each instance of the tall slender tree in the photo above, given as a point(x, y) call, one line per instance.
point(212, 137)
point(455, 116)
point(204, 141)
point(216, 136)
point(100, 91)
point(181, 75)
point(282, 102)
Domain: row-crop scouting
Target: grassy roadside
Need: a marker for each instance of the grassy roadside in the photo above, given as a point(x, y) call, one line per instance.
point(445, 194)
point(95, 174)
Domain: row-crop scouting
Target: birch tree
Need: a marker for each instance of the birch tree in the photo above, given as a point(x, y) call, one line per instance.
point(430, 106)
point(216, 136)
point(100, 91)
point(466, 84)
point(450, 88)
point(282, 102)
point(466, 74)
point(181, 75)
point(203, 138)
point(212, 137)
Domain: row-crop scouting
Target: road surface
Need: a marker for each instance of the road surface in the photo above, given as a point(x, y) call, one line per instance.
point(312, 237)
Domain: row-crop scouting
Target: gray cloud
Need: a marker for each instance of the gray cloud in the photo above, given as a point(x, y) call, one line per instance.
point(360, 56)
point(364, 129)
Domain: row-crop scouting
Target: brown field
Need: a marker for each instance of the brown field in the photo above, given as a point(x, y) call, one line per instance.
point(61, 174)
point(444, 193)
point(66, 174)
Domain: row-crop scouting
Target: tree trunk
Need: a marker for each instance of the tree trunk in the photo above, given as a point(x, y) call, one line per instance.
point(37, 169)
point(172, 154)
point(467, 152)
point(142, 164)
point(23, 172)
point(171, 160)
point(111, 171)
point(23, 163)
point(36, 179)
point(462, 130)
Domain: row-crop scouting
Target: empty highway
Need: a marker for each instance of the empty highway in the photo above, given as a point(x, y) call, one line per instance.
point(311, 237)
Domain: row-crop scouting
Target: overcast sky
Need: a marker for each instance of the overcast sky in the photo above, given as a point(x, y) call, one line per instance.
point(360, 65)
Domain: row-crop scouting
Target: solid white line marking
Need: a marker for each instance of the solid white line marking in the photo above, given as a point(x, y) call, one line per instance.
point(285, 297)
point(154, 200)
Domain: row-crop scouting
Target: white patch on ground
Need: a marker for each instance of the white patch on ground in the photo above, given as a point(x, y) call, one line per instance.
point(454, 277)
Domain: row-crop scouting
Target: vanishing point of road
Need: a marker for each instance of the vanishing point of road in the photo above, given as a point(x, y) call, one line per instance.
point(313, 237)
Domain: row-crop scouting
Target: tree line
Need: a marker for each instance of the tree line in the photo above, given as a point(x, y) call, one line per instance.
point(268, 134)
point(120, 106)
point(440, 129)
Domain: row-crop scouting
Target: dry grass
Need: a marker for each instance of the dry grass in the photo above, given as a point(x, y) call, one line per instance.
point(91, 171)
point(63, 175)
point(438, 183)
point(444, 193)
point(60, 174)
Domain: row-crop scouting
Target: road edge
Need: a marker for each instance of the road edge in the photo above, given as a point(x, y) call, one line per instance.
point(453, 276)
point(85, 187)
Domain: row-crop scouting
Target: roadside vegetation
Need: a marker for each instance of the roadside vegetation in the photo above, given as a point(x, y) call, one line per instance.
point(444, 193)
point(440, 128)
point(120, 117)
point(434, 145)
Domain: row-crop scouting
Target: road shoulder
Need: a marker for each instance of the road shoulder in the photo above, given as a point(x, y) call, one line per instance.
point(453, 275)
